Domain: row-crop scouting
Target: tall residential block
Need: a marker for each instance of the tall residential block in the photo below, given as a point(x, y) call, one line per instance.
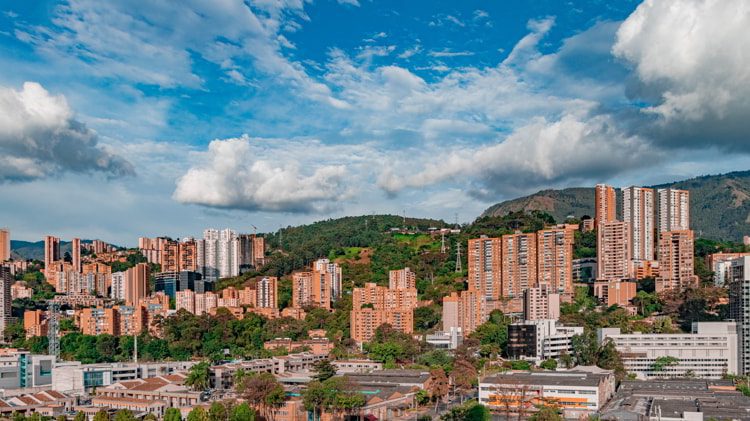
point(218, 254)
point(98, 321)
point(465, 310)
point(605, 203)
point(6, 280)
point(136, 283)
point(373, 306)
point(674, 210)
point(75, 254)
point(319, 287)
point(638, 205)
point(51, 253)
point(739, 308)
point(267, 292)
point(541, 303)
point(613, 251)
point(4, 244)
point(402, 278)
point(555, 257)
point(252, 250)
point(676, 269)
point(178, 256)
point(518, 263)
point(484, 265)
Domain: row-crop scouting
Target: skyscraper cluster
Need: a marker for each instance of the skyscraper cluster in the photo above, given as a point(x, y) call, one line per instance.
point(374, 305)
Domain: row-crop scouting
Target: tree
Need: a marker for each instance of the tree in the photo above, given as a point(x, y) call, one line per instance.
point(217, 412)
point(198, 414)
point(261, 390)
point(124, 415)
point(172, 414)
point(584, 348)
point(549, 364)
point(609, 358)
point(15, 334)
point(242, 412)
point(547, 413)
point(437, 385)
point(423, 398)
point(314, 398)
point(427, 317)
point(198, 376)
point(463, 376)
point(324, 370)
point(663, 362)
point(62, 418)
point(150, 417)
point(80, 416)
point(102, 415)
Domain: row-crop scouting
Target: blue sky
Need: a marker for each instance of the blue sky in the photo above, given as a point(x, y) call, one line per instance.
point(129, 118)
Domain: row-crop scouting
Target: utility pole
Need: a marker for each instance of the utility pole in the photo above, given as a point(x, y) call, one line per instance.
point(458, 257)
point(135, 348)
point(442, 242)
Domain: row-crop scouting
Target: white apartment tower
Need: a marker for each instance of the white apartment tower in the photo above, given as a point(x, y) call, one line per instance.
point(674, 210)
point(638, 212)
point(218, 254)
point(739, 309)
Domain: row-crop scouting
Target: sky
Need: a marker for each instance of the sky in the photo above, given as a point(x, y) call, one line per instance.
point(122, 119)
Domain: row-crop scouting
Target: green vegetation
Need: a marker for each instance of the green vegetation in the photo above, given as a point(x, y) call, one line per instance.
point(663, 362)
point(469, 411)
point(334, 396)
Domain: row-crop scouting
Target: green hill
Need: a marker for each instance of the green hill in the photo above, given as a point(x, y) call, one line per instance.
point(720, 204)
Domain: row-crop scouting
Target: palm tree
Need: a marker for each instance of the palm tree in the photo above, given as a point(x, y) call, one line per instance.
point(199, 376)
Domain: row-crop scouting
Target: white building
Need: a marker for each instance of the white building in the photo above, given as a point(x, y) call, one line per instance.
point(326, 266)
point(219, 254)
point(638, 212)
point(674, 210)
point(20, 369)
point(119, 282)
point(446, 340)
point(76, 378)
point(739, 307)
point(539, 340)
point(6, 280)
point(709, 351)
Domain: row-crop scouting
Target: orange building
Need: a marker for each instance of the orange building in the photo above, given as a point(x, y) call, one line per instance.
point(646, 269)
point(614, 292)
point(99, 277)
point(35, 323)
point(20, 290)
point(605, 202)
point(51, 255)
point(484, 265)
point(402, 278)
point(136, 279)
point(541, 303)
point(465, 310)
point(676, 261)
point(613, 251)
point(4, 244)
point(319, 287)
point(555, 257)
point(75, 254)
point(375, 305)
point(97, 321)
point(519, 263)
point(302, 289)
point(177, 256)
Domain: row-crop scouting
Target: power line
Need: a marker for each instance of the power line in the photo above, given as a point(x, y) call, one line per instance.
point(458, 257)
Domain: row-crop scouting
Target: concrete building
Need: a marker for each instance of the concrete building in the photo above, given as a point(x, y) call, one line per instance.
point(35, 323)
point(252, 250)
point(75, 254)
point(373, 306)
point(721, 265)
point(267, 292)
point(674, 210)
point(584, 270)
point(320, 287)
point(676, 261)
point(119, 280)
point(539, 340)
point(739, 309)
point(6, 280)
point(450, 339)
point(613, 251)
point(51, 254)
point(4, 244)
point(709, 351)
point(605, 203)
point(136, 283)
point(555, 257)
point(19, 289)
point(615, 293)
point(218, 254)
point(638, 211)
point(402, 278)
point(98, 321)
point(22, 369)
point(541, 303)
point(172, 282)
point(577, 393)
point(484, 266)
point(518, 263)
point(76, 378)
point(464, 310)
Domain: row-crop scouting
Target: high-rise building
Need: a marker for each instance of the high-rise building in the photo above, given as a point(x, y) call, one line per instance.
point(6, 280)
point(252, 250)
point(614, 292)
point(373, 306)
point(267, 292)
point(676, 269)
point(136, 283)
point(98, 321)
point(302, 289)
point(484, 265)
point(178, 256)
point(171, 282)
point(218, 254)
point(98, 278)
point(638, 212)
point(51, 253)
point(555, 257)
point(465, 310)
point(4, 244)
point(674, 210)
point(75, 254)
point(35, 323)
point(613, 251)
point(402, 278)
point(326, 280)
point(739, 309)
point(605, 203)
point(119, 281)
point(518, 263)
point(541, 303)
point(151, 248)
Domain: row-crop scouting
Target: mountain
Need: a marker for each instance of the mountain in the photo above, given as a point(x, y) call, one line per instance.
point(719, 204)
point(33, 250)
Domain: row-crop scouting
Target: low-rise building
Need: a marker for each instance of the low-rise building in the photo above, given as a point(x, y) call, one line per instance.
point(152, 395)
point(222, 375)
point(446, 340)
point(76, 378)
point(709, 351)
point(539, 340)
point(577, 393)
point(320, 346)
point(21, 369)
point(357, 366)
point(47, 403)
point(614, 292)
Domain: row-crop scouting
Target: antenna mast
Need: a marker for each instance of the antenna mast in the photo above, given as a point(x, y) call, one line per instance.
point(442, 242)
point(458, 257)
point(53, 328)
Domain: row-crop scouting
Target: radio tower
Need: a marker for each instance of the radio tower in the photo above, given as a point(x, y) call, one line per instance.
point(458, 257)
point(53, 327)
point(442, 242)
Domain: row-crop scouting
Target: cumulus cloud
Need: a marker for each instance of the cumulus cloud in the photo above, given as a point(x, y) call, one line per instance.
point(40, 137)
point(576, 147)
point(691, 59)
point(232, 175)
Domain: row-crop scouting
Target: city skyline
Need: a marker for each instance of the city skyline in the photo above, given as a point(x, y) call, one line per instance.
point(264, 114)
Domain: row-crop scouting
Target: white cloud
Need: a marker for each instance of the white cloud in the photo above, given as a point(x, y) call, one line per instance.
point(449, 53)
point(233, 174)
point(692, 58)
point(349, 2)
point(410, 52)
point(40, 137)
